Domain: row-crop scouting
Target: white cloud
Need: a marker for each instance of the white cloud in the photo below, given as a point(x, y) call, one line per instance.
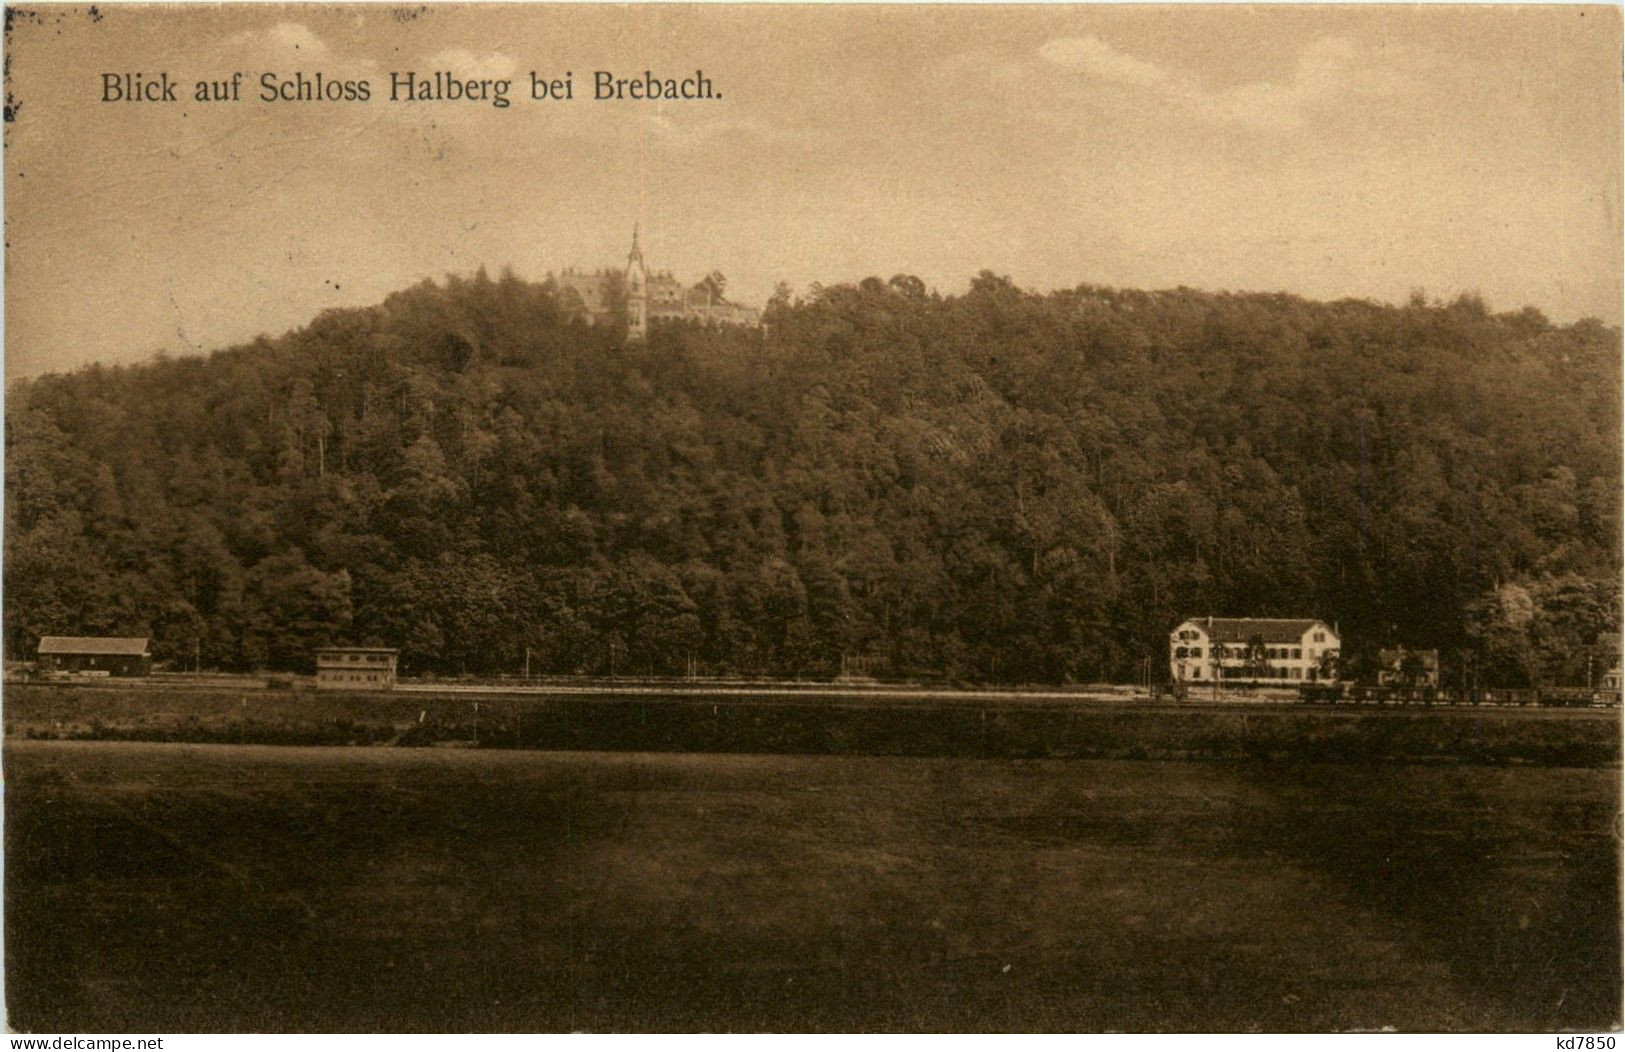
point(287, 47)
point(296, 36)
point(1092, 55)
point(695, 132)
point(290, 38)
point(1328, 69)
point(462, 63)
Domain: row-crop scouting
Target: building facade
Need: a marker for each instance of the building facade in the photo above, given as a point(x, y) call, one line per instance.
point(95, 655)
point(1253, 650)
point(356, 668)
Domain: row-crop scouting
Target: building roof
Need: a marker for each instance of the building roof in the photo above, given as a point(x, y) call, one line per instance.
point(1243, 629)
point(590, 289)
point(134, 646)
point(1396, 657)
point(357, 650)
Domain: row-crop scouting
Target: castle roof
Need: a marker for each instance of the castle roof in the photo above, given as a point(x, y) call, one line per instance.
point(588, 288)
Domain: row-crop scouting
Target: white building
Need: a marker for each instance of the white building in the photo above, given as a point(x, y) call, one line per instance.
point(1253, 650)
point(355, 668)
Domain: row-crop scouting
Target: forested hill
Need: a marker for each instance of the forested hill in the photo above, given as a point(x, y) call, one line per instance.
point(998, 486)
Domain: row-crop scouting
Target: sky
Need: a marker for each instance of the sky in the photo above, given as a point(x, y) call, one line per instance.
point(1351, 151)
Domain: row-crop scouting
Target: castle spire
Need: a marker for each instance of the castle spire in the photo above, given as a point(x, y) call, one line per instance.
point(637, 291)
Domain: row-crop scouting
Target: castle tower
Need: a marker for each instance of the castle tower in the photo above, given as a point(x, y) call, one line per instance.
point(637, 292)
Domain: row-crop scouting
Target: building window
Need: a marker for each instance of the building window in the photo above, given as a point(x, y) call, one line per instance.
point(1320, 637)
point(1179, 652)
point(1297, 653)
point(1196, 652)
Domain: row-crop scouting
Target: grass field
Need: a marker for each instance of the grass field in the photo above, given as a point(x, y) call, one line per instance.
point(165, 887)
point(1008, 726)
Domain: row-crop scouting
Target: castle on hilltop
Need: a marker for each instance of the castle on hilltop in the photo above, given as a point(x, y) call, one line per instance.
point(644, 296)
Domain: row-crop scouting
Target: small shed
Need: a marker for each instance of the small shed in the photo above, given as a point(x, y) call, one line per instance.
point(356, 668)
point(1400, 667)
point(95, 655)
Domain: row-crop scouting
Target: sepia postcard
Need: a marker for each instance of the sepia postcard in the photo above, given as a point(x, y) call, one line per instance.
point(838, 518)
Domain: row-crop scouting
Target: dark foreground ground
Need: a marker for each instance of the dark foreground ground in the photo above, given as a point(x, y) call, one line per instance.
point(165, 887)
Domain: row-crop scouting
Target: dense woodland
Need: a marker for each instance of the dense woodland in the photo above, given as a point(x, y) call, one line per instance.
point(999, 486)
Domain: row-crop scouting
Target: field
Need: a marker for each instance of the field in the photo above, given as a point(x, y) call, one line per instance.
point(171, 887)
point(1018, 726)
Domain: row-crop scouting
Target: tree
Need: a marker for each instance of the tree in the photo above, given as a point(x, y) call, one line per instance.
point(1256, 660)
point(714, 285)
point(293, 608)
point(1412, 669)
point(996, 485)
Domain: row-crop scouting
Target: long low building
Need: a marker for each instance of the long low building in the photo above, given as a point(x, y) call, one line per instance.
point(1279, 650)
point(95, 655)
point(356, 668)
